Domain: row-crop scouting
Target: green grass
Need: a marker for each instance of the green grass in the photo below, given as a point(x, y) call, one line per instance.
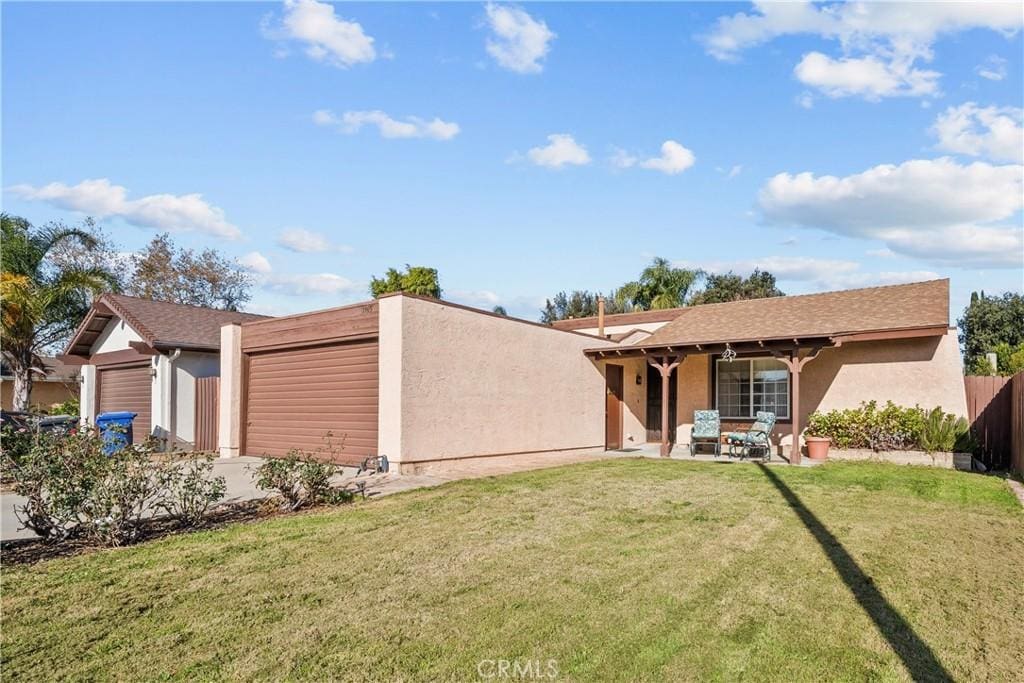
point(625, 569)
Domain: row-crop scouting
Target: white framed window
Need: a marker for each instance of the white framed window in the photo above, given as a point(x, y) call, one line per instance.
point(747, 385)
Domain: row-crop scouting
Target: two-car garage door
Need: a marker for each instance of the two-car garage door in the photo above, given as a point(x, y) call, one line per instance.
point(298, 397)
point(127, 389)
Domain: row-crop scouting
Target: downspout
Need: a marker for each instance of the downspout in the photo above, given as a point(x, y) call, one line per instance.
point(172, 401)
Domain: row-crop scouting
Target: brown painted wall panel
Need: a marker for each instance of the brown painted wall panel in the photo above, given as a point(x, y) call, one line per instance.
point(358, 320)
point(295, 397)
point(127, 389)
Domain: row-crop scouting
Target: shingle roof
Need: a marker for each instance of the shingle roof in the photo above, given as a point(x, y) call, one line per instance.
point(655, 316)
point(159, 323)
point(828, 314)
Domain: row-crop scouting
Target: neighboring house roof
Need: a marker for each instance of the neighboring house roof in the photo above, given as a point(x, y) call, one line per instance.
point(920, 305)
point(615, 319)
point(54, 371)
point(633, 336)
point(161, 324)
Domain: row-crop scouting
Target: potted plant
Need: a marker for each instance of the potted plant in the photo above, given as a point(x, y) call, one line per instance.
point(816, 437)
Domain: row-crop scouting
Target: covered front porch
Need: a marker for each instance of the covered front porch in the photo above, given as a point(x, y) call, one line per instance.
point(653, 391)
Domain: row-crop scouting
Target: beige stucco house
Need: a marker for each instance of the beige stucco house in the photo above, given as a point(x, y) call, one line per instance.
point(429, 383)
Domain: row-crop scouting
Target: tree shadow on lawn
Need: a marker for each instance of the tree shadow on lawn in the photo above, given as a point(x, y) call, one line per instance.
point(919, 659)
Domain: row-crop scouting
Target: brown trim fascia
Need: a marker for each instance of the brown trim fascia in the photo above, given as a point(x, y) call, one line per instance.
point(307, 344)
point(122, 357)
point(127, 316)
point(143, 348)
point(296, 316)
point(710, 346)
point(98, 308)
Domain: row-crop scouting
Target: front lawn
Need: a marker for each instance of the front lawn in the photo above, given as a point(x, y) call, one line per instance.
point(624, 569)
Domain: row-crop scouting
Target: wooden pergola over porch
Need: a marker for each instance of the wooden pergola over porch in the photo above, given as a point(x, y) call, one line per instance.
point(794, 353)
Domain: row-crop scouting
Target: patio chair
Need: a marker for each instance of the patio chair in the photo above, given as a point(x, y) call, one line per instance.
point(756, 441)
point(707, 429)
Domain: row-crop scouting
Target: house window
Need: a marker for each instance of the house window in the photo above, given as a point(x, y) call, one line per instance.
point(747, 385)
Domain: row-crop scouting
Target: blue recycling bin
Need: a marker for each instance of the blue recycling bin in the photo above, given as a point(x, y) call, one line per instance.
point(116, 430)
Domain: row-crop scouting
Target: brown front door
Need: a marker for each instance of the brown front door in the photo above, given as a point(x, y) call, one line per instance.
point(613, 407)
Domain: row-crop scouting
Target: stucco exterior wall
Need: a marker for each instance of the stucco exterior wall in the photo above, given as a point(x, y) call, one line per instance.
point(479, 385)
point(44, 394)
point(926, 372)
point(229, 403)
point(189, 366)
point(114, 337)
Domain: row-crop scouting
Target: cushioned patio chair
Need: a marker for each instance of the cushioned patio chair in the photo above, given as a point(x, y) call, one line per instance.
point(756, 441)
point(706, 430)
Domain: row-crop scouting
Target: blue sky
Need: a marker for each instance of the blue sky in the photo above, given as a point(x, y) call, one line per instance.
point(835, 145)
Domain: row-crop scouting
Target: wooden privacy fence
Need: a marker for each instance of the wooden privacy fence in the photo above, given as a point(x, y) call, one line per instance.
point(207, 400)
point(1017, 423)
point(994, 409)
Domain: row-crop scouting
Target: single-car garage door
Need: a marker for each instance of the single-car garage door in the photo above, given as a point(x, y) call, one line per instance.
point(296, 397)
point(127, 389)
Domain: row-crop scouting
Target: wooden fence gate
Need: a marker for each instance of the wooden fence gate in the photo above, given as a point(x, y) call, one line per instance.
point(994, 409)
point(207, 417)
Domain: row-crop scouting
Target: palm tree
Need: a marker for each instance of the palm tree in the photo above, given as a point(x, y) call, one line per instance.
point(661, 285)
point(41, 302)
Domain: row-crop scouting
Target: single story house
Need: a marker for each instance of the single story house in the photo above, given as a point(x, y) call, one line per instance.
point(146, 357)
point(428, 382)
point(54, 383)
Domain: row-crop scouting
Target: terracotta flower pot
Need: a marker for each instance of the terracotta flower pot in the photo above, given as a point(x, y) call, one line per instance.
point(817, 447)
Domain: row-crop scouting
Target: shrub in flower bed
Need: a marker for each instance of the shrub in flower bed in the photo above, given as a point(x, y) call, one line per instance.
point(301, 481)
point(74, 489)
point(892, 428)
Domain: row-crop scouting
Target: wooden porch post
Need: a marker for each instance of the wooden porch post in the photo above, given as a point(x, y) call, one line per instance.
point(665, 367)
point(795, 364)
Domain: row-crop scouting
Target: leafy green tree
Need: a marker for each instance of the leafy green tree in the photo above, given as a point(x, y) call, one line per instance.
point(164, 272)
point(992, 324)
point(729, 286)
point(661, 285)
point(577, 304)
point(500, 310)
point(414, 280)
point(42, 301)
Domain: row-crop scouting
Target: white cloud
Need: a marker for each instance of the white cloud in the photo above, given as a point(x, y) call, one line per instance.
point(560, 151)
point(884, 252)
point(255, 262)
point(993, 68)
point(481, 298)
point(674, 159)
point(993, 132)
point(869, 77)
point(307, 284)
point(821, 273)
point(880, 41)
point(308, 242)
point(734, 171)
point(413, 127)
point(102, 199)
point(519, 42)
point(326, 37)
point(937, 210)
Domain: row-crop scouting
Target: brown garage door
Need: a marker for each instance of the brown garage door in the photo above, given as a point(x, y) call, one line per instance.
point(296, 396)
point(127, 389)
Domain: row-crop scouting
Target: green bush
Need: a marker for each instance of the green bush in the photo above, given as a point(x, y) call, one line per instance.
point(68, 407)
point(191, 491)
point(74, 489)
point(893, 428)
point(301, 481)
point(946, 432)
